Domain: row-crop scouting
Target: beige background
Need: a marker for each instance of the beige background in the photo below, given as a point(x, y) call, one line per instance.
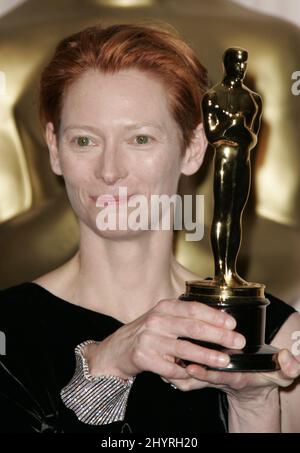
point(288, 9)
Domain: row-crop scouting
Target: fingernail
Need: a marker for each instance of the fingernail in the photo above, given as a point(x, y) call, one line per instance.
point(286, 358)
point(230, 323)
point(223, 359)
point(239, 342)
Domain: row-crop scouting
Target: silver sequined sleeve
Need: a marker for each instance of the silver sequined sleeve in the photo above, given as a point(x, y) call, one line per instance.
point(96, 400)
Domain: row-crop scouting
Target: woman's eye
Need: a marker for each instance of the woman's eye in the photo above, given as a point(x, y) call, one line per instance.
point(82, 141)
point(142, 139)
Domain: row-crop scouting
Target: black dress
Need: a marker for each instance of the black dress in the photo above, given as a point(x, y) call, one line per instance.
point(42, 331)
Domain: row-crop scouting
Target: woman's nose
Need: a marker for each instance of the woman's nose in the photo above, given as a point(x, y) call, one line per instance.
point(111, 166)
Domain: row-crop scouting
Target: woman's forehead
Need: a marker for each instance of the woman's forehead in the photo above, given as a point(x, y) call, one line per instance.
point(131, 93)
point(130, 80)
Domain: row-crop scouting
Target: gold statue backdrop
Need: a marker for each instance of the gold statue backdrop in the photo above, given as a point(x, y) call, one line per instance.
point(38, 230)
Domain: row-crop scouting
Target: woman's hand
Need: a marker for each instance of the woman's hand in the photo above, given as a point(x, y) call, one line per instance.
point(244, 387)
point(253, 398)
point(151, 343)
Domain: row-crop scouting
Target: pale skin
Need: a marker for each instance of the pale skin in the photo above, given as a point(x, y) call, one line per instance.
point(110, 273)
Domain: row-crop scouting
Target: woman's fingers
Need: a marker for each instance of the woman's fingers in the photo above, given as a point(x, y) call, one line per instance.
point(290, 369)
point(159, 336)
point(198, 354)
point(182, 349)
point(196, 310)
point(212, 379)
point(217, 378)
point(289, 365)
point(157, 364)
point(185, 384)
point(197, 329)
point(200, 330)
point(168, 326)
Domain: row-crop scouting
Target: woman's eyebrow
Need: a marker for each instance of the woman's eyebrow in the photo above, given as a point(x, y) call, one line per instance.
point(139, 125)
point(128, 127)
point(82, 126)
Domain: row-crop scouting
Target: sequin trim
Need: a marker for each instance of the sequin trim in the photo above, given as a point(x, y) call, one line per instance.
point(96, 400)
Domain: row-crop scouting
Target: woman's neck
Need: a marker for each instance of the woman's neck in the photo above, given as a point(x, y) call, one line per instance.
point(130, 275)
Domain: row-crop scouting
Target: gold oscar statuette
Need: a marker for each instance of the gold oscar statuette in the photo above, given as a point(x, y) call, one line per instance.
point(231, 117)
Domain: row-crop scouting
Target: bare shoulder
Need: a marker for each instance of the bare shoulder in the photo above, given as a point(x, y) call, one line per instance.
point(47, 280)
point(289, 334)
point(51, 280)
point(60, 280)
point(288, 337)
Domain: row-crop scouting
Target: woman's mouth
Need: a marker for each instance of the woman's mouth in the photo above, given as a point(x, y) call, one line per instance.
point(106, 199)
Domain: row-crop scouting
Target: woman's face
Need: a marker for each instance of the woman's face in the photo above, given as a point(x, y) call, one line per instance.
point(116, 131)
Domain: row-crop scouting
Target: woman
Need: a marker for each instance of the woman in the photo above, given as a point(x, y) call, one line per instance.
point(120, 107)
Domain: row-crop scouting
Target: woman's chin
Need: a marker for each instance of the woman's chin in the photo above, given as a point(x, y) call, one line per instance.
point(118, 234)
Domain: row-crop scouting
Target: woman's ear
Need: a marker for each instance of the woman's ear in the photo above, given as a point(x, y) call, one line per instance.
point(194, 153)
point(51, 140)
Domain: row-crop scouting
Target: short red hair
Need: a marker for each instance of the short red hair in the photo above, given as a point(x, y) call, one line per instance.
point(159, 52)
